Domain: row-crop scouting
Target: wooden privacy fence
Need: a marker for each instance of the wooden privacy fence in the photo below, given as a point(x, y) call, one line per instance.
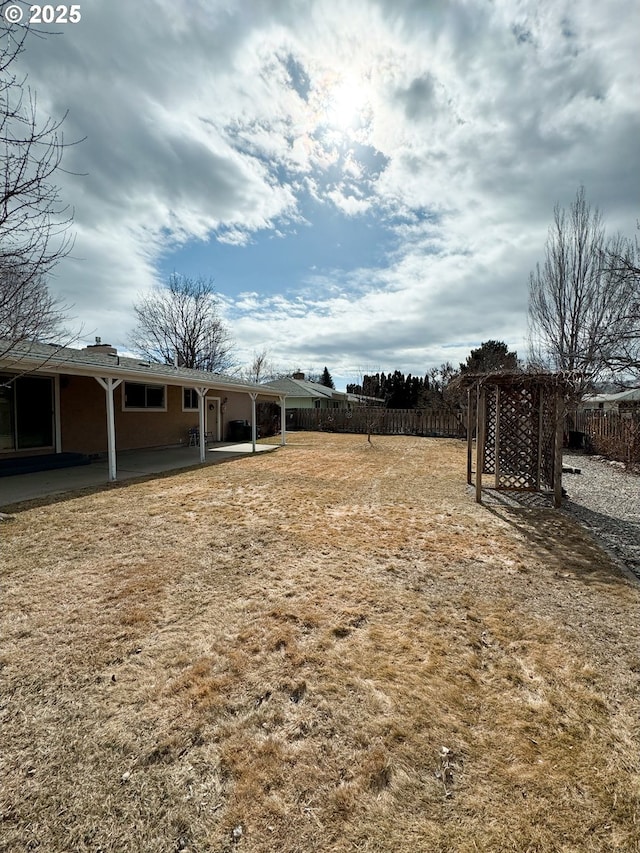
point(612, 435)
point(380, 421)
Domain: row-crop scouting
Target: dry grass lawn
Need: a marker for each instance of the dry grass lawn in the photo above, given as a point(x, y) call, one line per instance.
point(326, 648)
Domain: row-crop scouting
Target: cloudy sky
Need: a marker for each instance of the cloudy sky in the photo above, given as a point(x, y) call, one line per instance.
point(369, 183)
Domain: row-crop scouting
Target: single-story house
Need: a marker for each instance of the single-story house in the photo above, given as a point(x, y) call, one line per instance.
point(93, 400)
point(622, 403)
point(303, 394)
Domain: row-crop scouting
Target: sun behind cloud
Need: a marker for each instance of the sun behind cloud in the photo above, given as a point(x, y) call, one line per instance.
point(347, 100)
point(340, 101)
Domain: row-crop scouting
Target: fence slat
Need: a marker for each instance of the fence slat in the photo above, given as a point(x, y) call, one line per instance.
point(379, 421)
point(610, 434)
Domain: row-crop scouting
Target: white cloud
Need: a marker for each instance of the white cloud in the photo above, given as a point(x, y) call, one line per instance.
point(458, 124)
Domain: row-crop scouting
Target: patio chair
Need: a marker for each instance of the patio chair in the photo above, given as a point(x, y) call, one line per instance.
point(194, 437)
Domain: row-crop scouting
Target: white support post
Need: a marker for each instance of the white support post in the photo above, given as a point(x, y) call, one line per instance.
point(202, 393)
point(110, 386)
point(212, 404)
point(283, 422)
point(57, 424)
point(253, 395)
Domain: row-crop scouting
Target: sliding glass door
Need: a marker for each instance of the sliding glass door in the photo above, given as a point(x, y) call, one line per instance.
point(7, 417)
point(26, 413)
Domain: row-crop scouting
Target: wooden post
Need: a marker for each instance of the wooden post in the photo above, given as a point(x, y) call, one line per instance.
point(469, 436)
point(540, 430)
point(557, 463)
point(481, 420)
point(496, 444)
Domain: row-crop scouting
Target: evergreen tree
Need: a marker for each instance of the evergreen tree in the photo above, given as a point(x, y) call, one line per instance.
point(326, 379)
point(489, 357)
point(395, 389)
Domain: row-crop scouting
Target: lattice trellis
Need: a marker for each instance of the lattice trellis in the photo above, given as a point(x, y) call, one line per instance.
point(517, 440)
point(549, 413)
point(518, 421)
point(490, 409)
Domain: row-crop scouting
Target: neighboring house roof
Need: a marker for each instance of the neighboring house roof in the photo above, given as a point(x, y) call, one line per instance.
point(630, 395)
point(303, 388)
point(314, 390)
point(53, 359)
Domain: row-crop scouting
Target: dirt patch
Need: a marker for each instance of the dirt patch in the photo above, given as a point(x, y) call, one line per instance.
point(330, 647)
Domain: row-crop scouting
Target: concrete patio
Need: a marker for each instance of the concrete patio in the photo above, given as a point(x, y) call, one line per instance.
point(132, 464)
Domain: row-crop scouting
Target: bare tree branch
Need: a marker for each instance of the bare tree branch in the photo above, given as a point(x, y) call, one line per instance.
point(622, 351)
point(182, 320)
point(34, 223)
point(577, 306)
point(261, 369)
point(27, 310)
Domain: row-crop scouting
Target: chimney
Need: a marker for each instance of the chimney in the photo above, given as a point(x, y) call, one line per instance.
point(297, 375)
point(99, 347)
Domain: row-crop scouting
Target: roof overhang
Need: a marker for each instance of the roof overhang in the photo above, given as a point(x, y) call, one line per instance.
point(17, 361)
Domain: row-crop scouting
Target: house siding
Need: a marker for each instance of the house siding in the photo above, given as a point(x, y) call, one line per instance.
point(83, 427)
point(312, 403)
point(300, 403)
point(237, 407)
point(83, 417)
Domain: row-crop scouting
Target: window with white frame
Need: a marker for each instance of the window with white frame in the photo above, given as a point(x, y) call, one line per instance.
point(189, 400)
point(141, 396)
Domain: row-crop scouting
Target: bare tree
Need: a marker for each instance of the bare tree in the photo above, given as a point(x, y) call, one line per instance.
point(442, 392)
point(182, 320)
point(34, 223)
point(622, 350)
point(28, 311)
point(261, 369)
point(575, 302)
point(370, 411)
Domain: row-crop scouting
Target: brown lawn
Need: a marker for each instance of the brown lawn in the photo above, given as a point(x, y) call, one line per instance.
point(326, 648)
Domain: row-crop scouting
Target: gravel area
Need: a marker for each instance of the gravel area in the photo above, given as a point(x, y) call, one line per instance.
point(606, 500)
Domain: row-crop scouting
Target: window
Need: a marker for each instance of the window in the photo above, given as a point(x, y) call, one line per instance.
point(189, 399)
point(139, 396)
point(317, 404)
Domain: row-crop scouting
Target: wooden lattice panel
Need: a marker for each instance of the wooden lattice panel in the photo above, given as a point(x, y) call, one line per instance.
point(518, 438)
point(490, 431)
point(548, 419)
